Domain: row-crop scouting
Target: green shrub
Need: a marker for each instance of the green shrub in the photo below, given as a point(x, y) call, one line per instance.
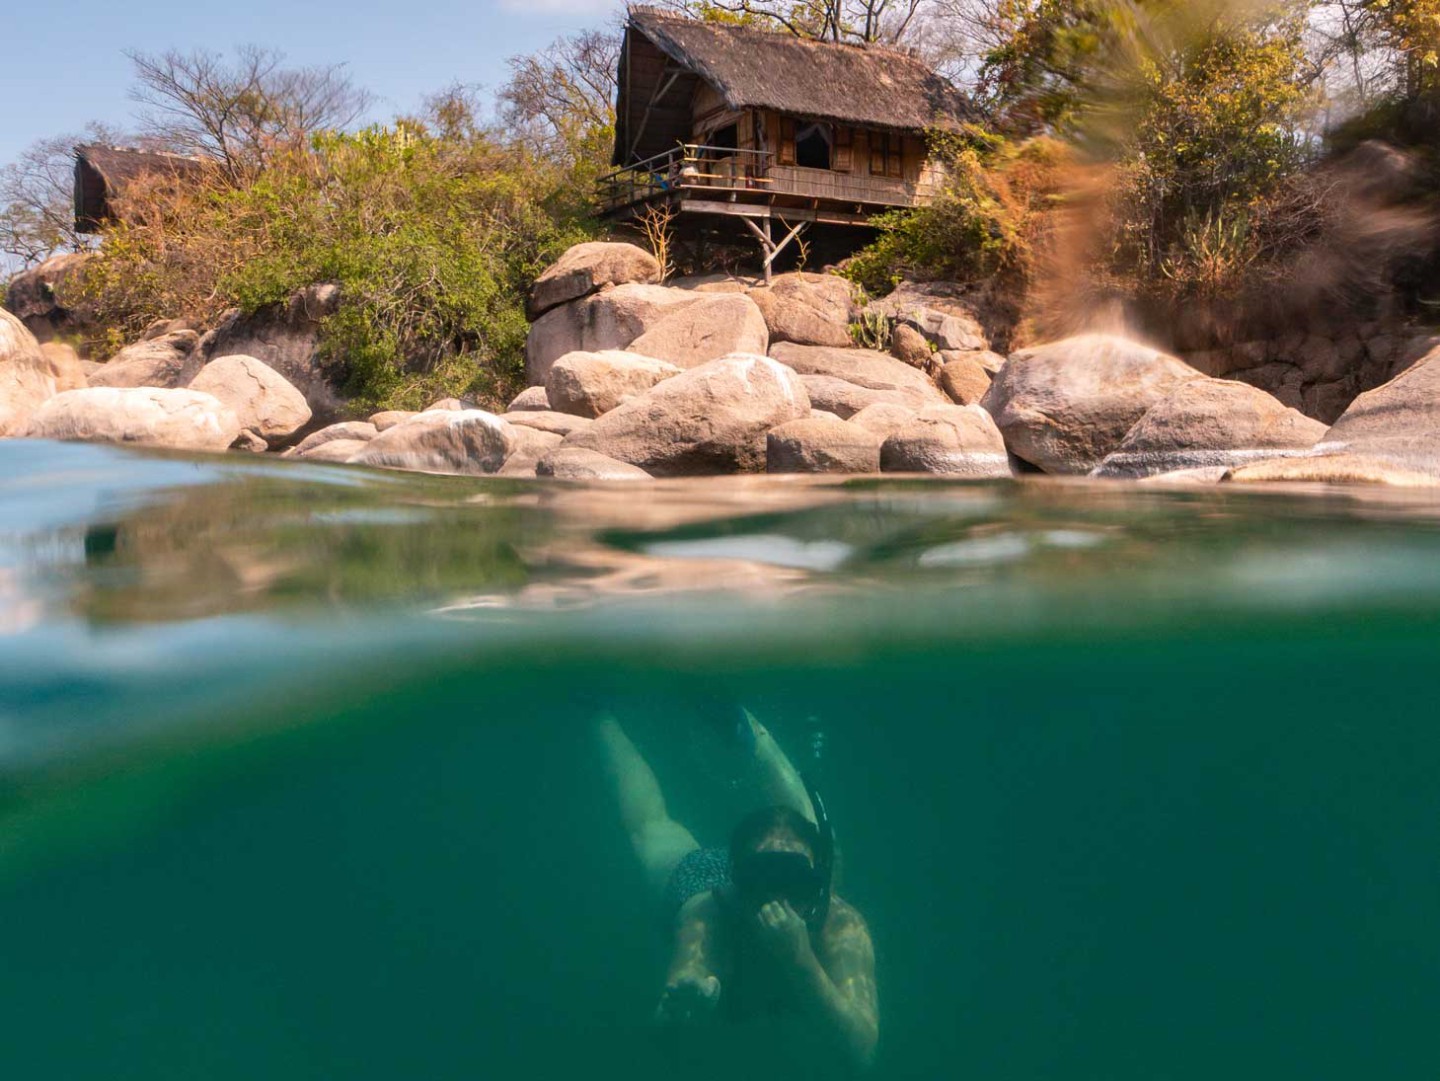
point(433, 241)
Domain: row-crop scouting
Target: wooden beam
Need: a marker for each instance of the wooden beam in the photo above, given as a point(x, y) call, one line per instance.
point(760, 211)
point(793, 234)
point(660, 91)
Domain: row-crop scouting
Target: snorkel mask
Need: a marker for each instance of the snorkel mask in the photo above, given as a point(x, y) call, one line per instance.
point(778, 875)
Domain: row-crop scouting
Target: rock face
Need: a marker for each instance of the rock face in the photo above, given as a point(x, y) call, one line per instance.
point(818, 445)
point(711, 419)
point(262, 398)
point(32, 296)
point(351, 431)
point(610, 319)
point(577, 463)
point(337, 451)
point(468, 442)
point(588, 268)
point(952, 440)
point(390, 417)
point(66, 366)
point(185, 419)
point(1332, 469)
point(1398, 422)
point(883, 418)
point(845, 381)
point(1064, 406)
point(542, 420)
point(169, 361)
point(720, 324)
point(531, 444)
point(807, 309)
point(528, 399)
point(26, 376)
point(589, 384)
point(938, 311)
point(1210, 422)
point(909, 346)
point(964, 379)
point(286, 338)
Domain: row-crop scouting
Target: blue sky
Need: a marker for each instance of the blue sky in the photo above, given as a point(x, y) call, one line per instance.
point(65, 64)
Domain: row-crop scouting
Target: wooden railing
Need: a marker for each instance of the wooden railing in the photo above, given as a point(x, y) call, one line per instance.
point(700, 167)
point(686, 166)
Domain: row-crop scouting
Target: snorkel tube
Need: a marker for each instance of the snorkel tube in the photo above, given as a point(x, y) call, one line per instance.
point(824, 858)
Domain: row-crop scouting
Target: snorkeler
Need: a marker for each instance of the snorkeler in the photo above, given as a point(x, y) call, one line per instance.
point(761, 941)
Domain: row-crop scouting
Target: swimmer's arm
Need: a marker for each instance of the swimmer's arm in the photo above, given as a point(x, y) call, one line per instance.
point(841, 991)
point(695, 953)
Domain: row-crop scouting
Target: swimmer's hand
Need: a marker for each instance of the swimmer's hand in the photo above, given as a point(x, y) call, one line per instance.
point(688, 1000)
point(784, 935)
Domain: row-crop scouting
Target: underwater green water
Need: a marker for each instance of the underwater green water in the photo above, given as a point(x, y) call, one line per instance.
point(298, 776)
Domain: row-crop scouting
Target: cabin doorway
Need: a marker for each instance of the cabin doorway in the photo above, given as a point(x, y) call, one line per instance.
point(813, 146)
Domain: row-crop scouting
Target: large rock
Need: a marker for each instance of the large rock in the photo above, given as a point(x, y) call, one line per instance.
point(286, 338)
point(589, 384)
point(1210, 422)
point(819, 445)
point(952, 440)
point(938, 310)
point(351, 431)
point(34, 297)
point(1332, 469)
point(588, 268)
point(1398, 422)
point(262, 398)
point(169, 361)
point(27, 378)
point(65, 365)
point(337, 451)
point(1064, 406)
point(883, 418)
point(531, 398)
point(717, 326)
point(578, 463)
point(388, 418)
point(964, 378)
point(543, 420)
point(807, 309)
point(844, 381)
point(711, 419)
point(611, 319)
point(153, 416)
point(469, 442)
point(531, 444)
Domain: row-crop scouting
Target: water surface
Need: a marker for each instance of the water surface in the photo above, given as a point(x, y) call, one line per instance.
point(298, 779)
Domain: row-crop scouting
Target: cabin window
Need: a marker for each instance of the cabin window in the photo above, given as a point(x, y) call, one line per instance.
point(843, 160)
point(726, 138)
point(886, 154)
point(812, 146)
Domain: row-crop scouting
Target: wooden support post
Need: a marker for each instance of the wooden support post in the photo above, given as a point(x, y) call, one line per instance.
point(767, 245)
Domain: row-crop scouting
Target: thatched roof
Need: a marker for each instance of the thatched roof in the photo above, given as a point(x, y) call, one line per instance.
point(103, 172)
point(756, 68)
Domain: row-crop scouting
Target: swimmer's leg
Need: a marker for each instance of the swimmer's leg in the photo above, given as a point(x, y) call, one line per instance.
point(660, 842)
point(778, 774)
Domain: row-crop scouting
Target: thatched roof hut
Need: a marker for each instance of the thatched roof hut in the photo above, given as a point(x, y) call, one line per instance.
point(102, 174)
point(666, 58)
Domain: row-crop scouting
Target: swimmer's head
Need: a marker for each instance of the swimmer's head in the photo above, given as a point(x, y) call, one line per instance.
point(773, 857)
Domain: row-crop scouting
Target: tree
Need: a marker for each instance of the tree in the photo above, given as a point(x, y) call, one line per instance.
point(241, 112)
point(888, 22)
point(562, 99)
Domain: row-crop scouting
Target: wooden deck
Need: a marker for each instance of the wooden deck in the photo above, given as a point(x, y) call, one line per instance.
point(746, 183)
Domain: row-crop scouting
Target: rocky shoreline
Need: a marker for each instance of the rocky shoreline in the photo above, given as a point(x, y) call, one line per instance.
point(632, 379)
